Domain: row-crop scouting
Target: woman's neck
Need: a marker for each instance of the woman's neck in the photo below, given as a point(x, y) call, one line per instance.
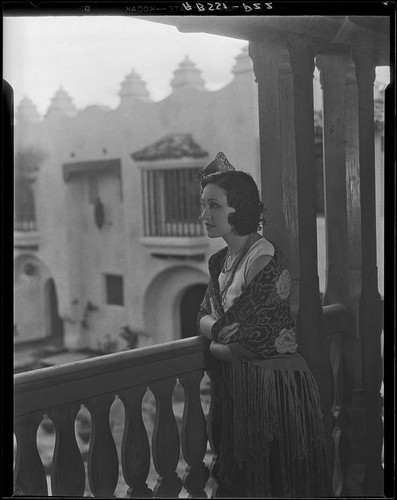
point(236, 242)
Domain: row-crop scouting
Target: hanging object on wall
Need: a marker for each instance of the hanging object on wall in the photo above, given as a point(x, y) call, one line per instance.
point(99, 213)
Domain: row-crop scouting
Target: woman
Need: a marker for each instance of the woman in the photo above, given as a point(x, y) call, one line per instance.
point(266, 403)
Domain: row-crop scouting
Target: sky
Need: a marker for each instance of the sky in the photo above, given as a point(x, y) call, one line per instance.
point(89, 57)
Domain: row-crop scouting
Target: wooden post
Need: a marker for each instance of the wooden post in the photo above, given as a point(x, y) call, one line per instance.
point(333, 68)
point(369, 313)
point(284, 71)
point(277, 151)
point(289, 178)
point(309, 318)
point(266, 56)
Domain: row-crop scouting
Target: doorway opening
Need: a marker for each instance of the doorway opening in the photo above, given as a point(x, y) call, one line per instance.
point(190, 305)
point(53, 320)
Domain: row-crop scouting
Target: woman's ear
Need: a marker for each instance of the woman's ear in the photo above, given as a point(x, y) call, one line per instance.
point(231, 218)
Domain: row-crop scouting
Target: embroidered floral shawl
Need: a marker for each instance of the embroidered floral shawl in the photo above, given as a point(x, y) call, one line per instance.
point(266, 327)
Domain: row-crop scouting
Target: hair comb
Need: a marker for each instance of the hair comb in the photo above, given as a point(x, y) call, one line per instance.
point(220, 165)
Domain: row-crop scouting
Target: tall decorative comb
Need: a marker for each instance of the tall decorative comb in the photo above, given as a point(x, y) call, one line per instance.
point(219, 165)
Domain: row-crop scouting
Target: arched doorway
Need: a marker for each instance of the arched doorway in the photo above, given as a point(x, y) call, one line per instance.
point(190, 304)
point(54, 323)
point(162, 303)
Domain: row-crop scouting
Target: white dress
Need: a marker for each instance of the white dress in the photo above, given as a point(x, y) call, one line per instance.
point(259, 248)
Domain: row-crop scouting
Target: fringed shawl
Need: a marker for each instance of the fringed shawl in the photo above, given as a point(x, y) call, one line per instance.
point(266, 328)
point(271, 438)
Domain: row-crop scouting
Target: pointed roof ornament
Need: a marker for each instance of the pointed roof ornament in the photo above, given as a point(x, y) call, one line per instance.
point(134, 86)
point(243, 62)
point(187, 75)
point(27, 112)
point(61, 103)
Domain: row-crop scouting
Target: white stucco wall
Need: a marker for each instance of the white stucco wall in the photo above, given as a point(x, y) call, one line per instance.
point(77, 253)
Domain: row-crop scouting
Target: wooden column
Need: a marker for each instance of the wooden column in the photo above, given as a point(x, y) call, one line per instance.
point(266, 56)
point(289, 177)
point(284, 71)
point(309, 319)
point(369, 312)
point(277, 151)
point(354, 429)
point(333, 68)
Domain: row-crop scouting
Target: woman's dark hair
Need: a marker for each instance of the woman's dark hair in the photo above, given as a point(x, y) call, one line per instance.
point(242, 194)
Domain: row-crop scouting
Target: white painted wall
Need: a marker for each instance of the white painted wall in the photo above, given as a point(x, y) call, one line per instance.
point(77, 254)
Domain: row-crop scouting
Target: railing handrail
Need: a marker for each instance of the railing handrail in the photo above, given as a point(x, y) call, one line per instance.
point(334, 319)
point(45, 388)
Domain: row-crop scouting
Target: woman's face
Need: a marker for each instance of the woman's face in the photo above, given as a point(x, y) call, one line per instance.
point(215, 211)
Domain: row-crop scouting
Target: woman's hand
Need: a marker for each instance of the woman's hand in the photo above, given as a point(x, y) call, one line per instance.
point(221, 351)
point(227, 332)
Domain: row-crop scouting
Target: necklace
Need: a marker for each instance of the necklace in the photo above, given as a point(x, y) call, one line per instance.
point(225, 268)
point(234, 265)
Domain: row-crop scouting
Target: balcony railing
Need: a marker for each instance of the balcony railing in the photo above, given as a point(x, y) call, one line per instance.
point(59, 392)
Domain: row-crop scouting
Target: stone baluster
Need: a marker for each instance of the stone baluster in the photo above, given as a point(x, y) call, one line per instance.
point(165, 441)
point(194, 436)
point(30, 478)
point(103, 466)
point(369, 312)
point(135, 449)
point(67, 471)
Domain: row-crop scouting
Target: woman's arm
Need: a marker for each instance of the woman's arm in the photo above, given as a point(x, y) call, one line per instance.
point(257, 265)
point(205, 324)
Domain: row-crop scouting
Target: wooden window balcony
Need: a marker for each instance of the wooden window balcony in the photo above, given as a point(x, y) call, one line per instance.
point(171, 202)
point(171, 209)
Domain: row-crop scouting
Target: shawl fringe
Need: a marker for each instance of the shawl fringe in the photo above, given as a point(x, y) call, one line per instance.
point(269, 413)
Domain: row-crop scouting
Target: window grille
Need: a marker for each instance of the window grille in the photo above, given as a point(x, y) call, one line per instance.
point(171, 202)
